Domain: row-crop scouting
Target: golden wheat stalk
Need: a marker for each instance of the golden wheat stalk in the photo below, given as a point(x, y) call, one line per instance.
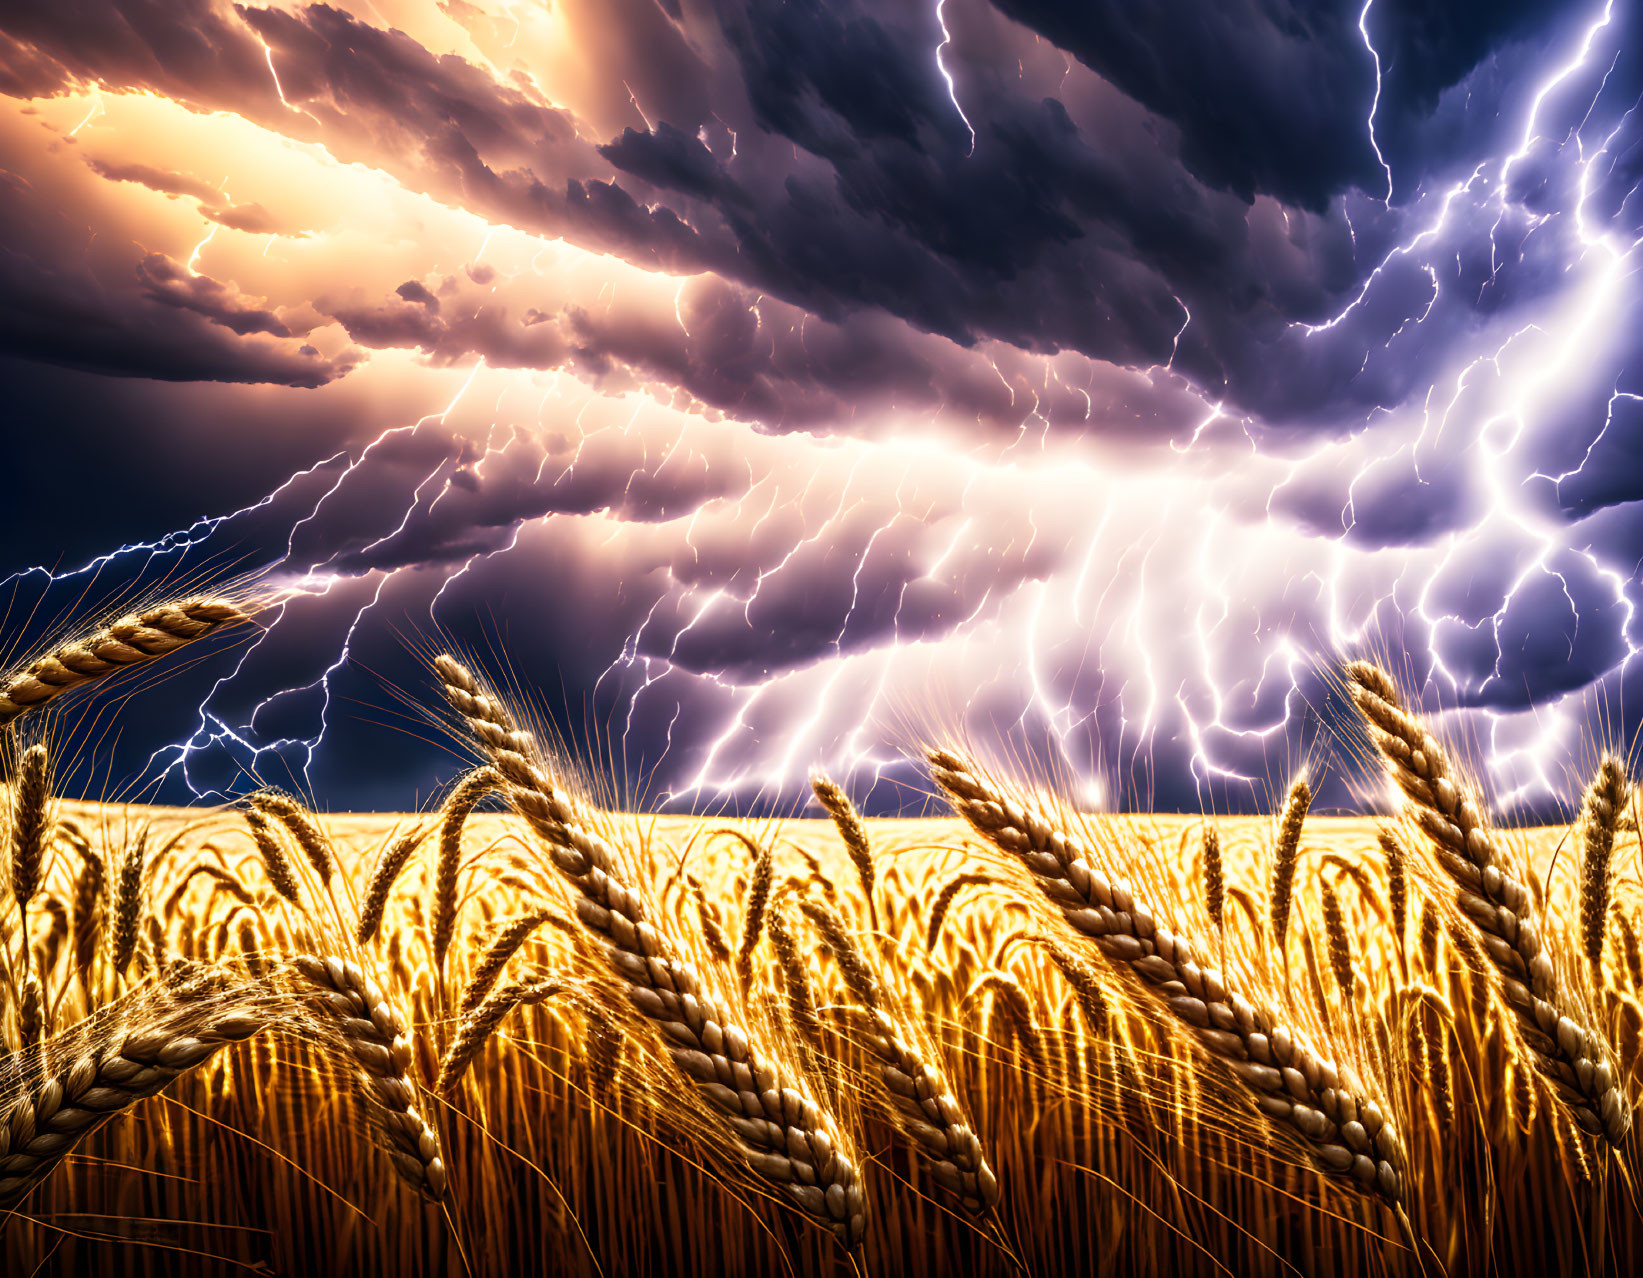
point(1281, 889)
point(68, 1090)
point(1397, 892)
point(783, 1134)
point(753, 914)
point(1573, 1057)
point(1340, 942)
point(275, 863)
point(480, 1021)
point(130, 900)
point(1326, 1108)
point(132, 640)
point(31, 1011)
point(87, 912)
point(852, 832)
point(795, 976)
point(1013, 1007)
point(381, 883)
point(304, 829)
point(503, 946)
point(1600, 811)
point(469, 792)
point(1215, 883)
point(373, 1032)
point(711, 922)
point(1092, 999)
point(910, 1079)
point(944, 902)
point(31, 793)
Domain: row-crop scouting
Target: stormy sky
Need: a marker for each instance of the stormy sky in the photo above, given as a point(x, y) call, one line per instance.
point(768, 384)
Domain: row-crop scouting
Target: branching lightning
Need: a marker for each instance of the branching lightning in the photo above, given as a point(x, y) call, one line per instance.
point(1102, 601)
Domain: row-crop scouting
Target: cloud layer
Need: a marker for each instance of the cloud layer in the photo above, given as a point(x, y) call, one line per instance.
point(777, 382)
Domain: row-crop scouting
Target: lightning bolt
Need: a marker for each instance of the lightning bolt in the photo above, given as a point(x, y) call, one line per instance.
point(1375, 102)
point(946, 75)
point(1060, 585)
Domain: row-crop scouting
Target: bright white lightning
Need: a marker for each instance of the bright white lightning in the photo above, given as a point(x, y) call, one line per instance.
point(941, 66)
point(268, 55)
point(1375, 103)
point(92, 113)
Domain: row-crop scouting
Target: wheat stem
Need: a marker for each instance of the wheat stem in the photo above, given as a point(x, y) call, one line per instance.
point(1343, 1128)
point(1574, 1058)
point(132, 640)
point(783, 1134)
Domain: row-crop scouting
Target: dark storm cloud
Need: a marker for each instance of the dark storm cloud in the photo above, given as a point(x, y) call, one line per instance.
point(420, 498)
point(443, 125)
point(1055, 231)
point(485, 330)
point(665, 157)
point(797, 583)
point(1052, 231)
point(191, 50)
point(172, 284)
point(1269, 97)
point(416, 291)
point(766, 361)
point(252, 218)
point(1556, 633)
point(156, 179)
point(1429, 49)
point(27, 71)
point(1608, 471)
point(107, 307)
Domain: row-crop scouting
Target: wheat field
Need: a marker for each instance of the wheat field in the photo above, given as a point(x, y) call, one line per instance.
point(524, 1032)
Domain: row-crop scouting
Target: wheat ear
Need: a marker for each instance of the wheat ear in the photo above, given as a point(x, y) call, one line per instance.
point(1600, 811)
point(911, 1081)
point(853, 833)
point(1092, 999)
point(782, 1132)
point(1215, 882)
point(504, 945)
point(106, 1074)
point(300, 822)
point(944, 903)
point(480, 1022)
point(374, 1033)
point(88, 902)
point(801, 1001)
point(1340, 943)
point(1281, 890)
point(31, 1011)
point(387, 871)
point(1397, 892)
point(711, 923)
point(275, 863)
point(31, 793)
point(1326, 1108)
point(1012, 1005)
point(130, 898)
point(132, 640)
point(753, 915)
point(464, 799)
point(1571, 1055)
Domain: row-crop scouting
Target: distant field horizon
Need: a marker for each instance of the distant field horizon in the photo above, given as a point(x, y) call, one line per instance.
point(1236, 819)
